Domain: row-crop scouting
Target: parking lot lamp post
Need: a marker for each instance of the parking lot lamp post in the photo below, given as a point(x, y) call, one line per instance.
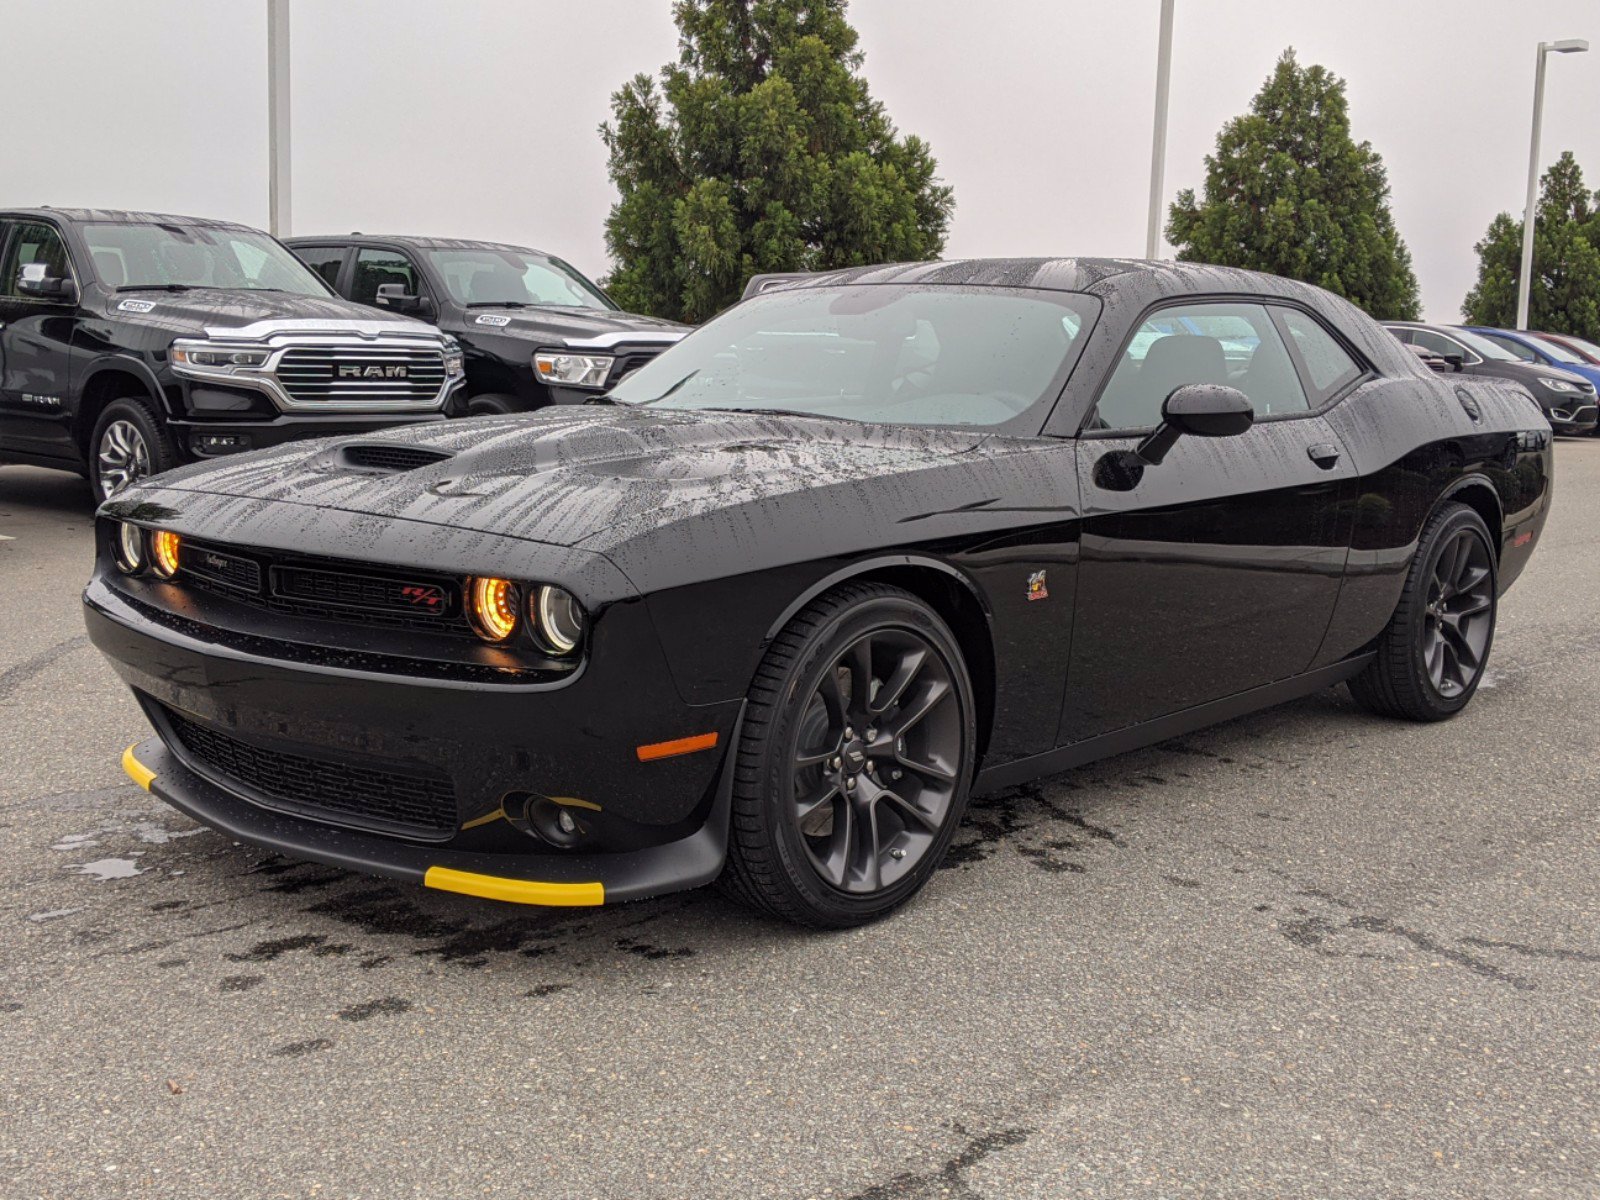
point(1525, 279)
point(1158, 143)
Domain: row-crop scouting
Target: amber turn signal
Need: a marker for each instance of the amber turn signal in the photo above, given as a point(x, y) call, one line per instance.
point(164, 546)
point(492, 606)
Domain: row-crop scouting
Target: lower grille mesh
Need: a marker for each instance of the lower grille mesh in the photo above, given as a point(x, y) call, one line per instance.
point(419, 800)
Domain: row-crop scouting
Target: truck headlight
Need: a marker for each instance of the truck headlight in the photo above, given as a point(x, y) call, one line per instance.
point(455, 365)
point(573, 370)
point(215, 358)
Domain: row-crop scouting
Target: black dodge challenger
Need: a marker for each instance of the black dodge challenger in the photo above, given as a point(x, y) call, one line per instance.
point(773, 607)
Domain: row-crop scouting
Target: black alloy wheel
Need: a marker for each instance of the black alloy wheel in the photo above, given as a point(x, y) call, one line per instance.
point(1431, 657)
point(855, 760)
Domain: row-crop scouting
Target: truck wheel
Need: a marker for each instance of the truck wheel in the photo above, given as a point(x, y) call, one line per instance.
point(854, 761)
point(490, 405)
point(128, 443)
point(1432, 654)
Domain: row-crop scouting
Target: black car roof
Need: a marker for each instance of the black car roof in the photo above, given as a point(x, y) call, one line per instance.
point(406, 239)
point(120, 216)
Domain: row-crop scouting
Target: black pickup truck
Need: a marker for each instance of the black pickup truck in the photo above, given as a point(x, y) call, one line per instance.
point(131, 342)
point(533, 329)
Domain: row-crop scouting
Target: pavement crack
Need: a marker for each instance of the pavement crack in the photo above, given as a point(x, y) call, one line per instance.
point(1429, 945)
point(14, 677)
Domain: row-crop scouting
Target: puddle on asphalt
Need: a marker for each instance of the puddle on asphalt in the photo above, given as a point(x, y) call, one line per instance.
point(103, 869)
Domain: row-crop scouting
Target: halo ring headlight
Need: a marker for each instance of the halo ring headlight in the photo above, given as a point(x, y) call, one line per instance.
point(128, 549)
point(164, 545)
point(557, 619)
point(492, 606)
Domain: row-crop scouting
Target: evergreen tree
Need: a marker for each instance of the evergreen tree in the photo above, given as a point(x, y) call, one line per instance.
point(762, 150)
point(1289, 191)
point(1565, 294)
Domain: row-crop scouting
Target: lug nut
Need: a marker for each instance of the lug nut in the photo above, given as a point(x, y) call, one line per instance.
point(872, 735)
point(837, 762)
point(897, 853)
point(849, 734)
point(850, 784)
point(895, 774)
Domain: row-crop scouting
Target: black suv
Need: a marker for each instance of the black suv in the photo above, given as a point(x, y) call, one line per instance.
point(1567, 400)
point(534, 330)
point(131, 342)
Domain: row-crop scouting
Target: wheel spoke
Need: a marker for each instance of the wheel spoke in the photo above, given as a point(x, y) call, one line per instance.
point(868, 849)
point(903, 806)
point(808, 806)
point(1460, 648)
point(836, 866)
point(859, 660)
point(934, 692)
point(905, 673)
point(929, 770)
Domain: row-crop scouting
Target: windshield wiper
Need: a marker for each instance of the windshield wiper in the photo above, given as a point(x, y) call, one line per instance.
point(498, 304)
point(156, 287)
point(776, 412)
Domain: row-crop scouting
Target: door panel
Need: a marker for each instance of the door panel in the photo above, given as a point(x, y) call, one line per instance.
point(35, 344)
point(1217, 572)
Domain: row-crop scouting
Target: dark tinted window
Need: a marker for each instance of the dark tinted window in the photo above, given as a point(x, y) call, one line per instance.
point(1511, 344)
point(1328, 363)
point(488, 277)
point(33, 243)
point(324, 262)
point(1232, 344)
point(377, 267)
point(1439, 344)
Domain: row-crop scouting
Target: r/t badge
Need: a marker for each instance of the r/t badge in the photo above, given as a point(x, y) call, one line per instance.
point(1036, 587)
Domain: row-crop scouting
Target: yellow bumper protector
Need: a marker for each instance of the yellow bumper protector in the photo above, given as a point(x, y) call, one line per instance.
point(137, 771)
point(516, 891)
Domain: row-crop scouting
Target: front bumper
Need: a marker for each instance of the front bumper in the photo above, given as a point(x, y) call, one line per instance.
point(199, 438)
point(497, 750)
point(1573, 420)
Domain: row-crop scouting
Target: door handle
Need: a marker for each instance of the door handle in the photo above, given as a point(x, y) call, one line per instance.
point(1324, 454)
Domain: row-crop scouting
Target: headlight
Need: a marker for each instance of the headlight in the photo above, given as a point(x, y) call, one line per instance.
point(164, 546)
point(557, 619)
point(492, 607)
point(573, 370)
point(454, 363)
point(1560, 385)
point(213, 358)
point(129, 549)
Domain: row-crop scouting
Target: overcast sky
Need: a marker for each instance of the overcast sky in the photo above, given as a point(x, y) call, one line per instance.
point(478, 119)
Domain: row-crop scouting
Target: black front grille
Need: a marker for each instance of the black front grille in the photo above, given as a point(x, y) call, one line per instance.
point(412, 598)
point(390, 458)
point(629, 362)
point(312, 374)
point(230, 570)
point(418, 800)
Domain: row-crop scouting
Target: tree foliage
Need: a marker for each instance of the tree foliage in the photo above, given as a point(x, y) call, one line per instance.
point(1291, 192)
point(761, 150)
point(1564, 296)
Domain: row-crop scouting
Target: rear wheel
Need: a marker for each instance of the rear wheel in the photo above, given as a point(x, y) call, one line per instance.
point(1432, 656)
point(128, 443)
point(855, 760)
point(491, 405)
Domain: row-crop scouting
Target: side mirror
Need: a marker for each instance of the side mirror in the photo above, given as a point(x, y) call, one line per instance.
point(394, 296)
point(1199, 410)
point(34, 280)
point(1456, 361)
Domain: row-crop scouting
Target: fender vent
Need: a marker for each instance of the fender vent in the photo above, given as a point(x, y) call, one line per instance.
point(389, 458)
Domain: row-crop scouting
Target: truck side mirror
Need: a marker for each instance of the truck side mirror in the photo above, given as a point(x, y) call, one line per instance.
point(1199, 410)
point(394, 296)
point(35, 280)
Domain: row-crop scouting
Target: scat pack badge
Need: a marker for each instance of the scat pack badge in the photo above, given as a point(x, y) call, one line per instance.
point(1036, 587)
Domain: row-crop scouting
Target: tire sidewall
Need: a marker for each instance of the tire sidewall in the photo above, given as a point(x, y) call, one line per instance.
point(1459, 518)
point(879, 613)
point(138, 414)
point(490, 405)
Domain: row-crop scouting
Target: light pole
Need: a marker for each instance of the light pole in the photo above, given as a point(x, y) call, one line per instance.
point(1525, 279)
point(278, 117)
point(1158, 143)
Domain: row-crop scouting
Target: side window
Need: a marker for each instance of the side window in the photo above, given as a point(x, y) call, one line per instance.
point(32, 242)
point(1512, 345)
point(1327, 363)
point(1233, 344)
point(377, 267)
point(1439, 344)
point(324, 261)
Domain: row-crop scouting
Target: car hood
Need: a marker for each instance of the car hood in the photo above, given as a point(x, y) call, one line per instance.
point(590, 476)
point(203, 309)
point(549, 325)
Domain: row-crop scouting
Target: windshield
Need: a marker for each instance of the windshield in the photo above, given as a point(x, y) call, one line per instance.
point(1585, 346)
point(488, 278)
point(1483, 347)
point(1560, 353)
point(889, 353)
point(130, 257)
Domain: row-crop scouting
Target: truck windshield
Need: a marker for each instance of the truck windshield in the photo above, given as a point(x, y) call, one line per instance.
point(134, 256)
point(506, 278)
point(883, 353)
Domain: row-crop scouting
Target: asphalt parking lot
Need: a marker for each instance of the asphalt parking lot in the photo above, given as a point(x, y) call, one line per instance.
point(1307, 953)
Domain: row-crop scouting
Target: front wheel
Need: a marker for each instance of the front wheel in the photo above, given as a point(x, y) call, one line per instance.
point(854, 763)
point(1432, 655)
point(127, 444)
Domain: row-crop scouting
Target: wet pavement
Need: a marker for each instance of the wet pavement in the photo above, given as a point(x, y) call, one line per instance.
point(1307, 953)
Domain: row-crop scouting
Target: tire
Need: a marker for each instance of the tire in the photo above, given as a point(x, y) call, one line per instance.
point(1432, 654)
point(490, 405)
point(829, 831)
point(128, 443)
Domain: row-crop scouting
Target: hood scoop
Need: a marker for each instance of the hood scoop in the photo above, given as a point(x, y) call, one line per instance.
point(386, 458)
